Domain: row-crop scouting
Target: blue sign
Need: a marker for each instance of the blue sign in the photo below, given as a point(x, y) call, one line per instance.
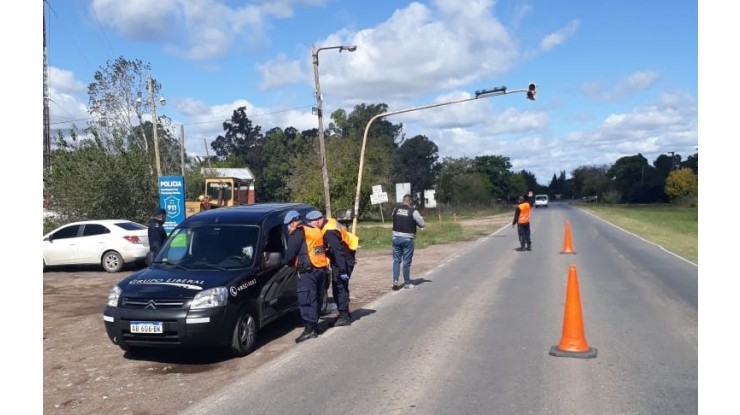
point(172, 200)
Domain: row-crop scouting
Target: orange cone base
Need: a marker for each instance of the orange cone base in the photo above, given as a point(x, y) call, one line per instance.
point(588, 354)
point(567, 252)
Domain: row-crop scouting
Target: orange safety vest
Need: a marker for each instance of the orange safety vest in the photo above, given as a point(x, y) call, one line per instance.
point(348, 238)
point(315, 247)
point(524, 210)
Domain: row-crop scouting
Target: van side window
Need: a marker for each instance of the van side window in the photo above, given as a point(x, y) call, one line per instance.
point(274, 241)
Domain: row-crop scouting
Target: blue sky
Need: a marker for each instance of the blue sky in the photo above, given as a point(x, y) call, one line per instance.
point(614, 78)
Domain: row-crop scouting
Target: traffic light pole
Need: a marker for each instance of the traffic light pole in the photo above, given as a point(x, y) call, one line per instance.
point(531, 91)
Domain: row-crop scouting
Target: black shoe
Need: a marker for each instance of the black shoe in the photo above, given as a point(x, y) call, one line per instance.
point(529, 248)
point(308, 333)
point(520, 249)
point(396, 287)
point(344, 319)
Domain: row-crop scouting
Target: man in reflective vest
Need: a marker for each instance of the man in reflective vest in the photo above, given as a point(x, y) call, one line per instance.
point(521, 220)
point(341, 247)
point(306, 252)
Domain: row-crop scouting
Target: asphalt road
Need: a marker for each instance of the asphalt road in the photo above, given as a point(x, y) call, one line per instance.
point(474, 337)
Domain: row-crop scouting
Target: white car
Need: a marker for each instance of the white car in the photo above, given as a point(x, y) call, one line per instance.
point(112, 243)
point(540, 201)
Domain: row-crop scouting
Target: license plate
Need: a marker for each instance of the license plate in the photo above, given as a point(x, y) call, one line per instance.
point(147, 327)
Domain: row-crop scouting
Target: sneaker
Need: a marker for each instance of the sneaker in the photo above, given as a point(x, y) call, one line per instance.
point(520, 249)
point(396, 287)
point(409, 286)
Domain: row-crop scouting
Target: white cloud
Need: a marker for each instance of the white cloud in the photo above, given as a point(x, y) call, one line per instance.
point(281, 71)
point(560, 36)
point(417, 51)
point(631, 84)
point(195, 29)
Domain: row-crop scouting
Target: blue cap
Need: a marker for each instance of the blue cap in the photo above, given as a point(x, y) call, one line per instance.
point(291, 216)
point(313, 215)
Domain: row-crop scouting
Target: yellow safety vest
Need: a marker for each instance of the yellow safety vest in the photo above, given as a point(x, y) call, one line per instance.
point(348, 238)
point(315, 247)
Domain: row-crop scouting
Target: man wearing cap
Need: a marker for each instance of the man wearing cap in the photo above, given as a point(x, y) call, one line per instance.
point(306, 252)
point(156, 233)
point(339, 244)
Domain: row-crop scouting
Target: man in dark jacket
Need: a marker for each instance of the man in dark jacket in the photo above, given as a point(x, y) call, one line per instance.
point(406, 219)
point(342, 259)
point(307, 253)
point(157, 234)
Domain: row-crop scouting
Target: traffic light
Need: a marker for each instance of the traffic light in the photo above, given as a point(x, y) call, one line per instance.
point(532, 91)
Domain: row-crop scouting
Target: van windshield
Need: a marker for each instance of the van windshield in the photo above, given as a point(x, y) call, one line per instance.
point(211, 246)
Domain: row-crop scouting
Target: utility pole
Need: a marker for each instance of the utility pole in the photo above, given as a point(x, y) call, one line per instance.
point(182, 150)
point(47, 125)
point(319, 103)
point(154, 124)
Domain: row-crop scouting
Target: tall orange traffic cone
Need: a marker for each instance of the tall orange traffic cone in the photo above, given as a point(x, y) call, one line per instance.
point(567, 243)
point(573, 342)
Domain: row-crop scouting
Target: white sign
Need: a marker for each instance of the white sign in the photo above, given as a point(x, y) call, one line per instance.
point(377, 189)
point(402, 189)
point(377, 198)
point(429, 201)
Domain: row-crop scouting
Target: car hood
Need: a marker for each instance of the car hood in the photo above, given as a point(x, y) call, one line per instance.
point(177, 282)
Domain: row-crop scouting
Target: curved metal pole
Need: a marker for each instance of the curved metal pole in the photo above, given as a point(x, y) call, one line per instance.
point(385, 114)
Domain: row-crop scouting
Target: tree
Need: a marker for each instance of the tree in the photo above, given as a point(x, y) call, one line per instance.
point(692, 162)
point(118, 98)
point(636, 180)
point(497, 170)
point(277, 149)
point(590, 181)
point(414, 163)
point(241, 146)
point(681, 183)
point(89, 182)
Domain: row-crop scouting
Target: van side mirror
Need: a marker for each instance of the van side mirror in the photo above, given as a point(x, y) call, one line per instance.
point(273, 259)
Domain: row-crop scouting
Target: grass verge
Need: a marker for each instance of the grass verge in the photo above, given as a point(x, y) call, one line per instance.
point(675, 228)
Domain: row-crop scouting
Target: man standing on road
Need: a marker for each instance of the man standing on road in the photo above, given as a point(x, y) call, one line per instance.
point(521, 221)
point(156, 233)
point(341, 246)
point(405, 221)
point(306, 252)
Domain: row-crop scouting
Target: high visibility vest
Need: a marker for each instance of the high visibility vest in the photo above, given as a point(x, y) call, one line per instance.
point(315, 248)
point(524, 209)
point(348, 238)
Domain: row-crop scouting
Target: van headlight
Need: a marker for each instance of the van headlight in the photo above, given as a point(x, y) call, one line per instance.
point(113, 296)
point(215, 297)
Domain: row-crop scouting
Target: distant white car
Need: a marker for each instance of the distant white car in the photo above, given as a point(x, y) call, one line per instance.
point(112, 243)
point(540, 201)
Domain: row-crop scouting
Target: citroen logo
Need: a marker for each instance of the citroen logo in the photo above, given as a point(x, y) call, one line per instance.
point(151, 304)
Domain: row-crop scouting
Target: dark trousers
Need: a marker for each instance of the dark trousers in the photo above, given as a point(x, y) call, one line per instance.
point(340, 289)
point(311, 294)
point(523, 230)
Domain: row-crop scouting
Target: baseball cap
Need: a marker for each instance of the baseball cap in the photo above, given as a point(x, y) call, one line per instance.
point(291, 216)
point(160, 211)
point(313, 215)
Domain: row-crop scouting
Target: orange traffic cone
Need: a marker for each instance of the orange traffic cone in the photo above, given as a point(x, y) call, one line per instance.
point(567, 243)
point(573, 343)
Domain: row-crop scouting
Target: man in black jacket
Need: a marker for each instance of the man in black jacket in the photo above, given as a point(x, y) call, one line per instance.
point(157, 234)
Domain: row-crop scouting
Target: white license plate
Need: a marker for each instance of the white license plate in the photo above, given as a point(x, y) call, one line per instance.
point(148, 327)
